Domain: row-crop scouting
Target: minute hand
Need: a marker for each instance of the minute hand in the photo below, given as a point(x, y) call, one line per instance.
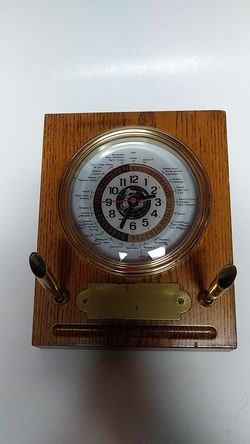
point(125, 218)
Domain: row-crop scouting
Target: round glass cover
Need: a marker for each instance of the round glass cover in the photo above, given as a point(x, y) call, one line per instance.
point(134, 200)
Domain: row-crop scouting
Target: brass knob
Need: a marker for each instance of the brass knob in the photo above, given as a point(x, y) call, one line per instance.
point(46, 278)
point(218, 286)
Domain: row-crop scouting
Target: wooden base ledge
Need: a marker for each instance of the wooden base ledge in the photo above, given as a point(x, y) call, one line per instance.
point(155, 331)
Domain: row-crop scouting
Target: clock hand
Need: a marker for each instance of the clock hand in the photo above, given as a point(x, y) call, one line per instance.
point(125, 218)
point(150, 196)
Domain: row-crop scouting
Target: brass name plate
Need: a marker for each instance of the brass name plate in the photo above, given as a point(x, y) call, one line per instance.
point(134, 301)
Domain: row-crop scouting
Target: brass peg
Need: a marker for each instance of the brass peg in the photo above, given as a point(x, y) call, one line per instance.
point(219, 285)
point(46, 278)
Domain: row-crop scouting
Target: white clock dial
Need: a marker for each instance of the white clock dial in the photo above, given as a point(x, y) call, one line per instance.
point(131, 202)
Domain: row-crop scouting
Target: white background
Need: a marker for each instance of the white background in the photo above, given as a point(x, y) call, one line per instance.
point(114, 55)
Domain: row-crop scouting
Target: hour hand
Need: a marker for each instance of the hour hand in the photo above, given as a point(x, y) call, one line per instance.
point(150, 196)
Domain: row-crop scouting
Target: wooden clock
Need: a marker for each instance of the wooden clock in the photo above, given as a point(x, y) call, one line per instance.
point(134, 241)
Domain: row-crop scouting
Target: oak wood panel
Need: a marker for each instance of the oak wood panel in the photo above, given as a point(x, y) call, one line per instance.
point(205, 133)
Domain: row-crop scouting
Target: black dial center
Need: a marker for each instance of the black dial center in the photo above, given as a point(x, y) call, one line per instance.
point(133, 202)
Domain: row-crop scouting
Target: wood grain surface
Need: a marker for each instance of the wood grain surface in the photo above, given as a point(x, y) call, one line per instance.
point(201, 327)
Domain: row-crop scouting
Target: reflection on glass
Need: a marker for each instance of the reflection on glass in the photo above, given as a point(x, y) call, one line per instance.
point(157, 252)
point(122, 255)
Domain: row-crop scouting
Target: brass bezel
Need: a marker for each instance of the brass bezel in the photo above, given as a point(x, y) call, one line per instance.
point(146, 268)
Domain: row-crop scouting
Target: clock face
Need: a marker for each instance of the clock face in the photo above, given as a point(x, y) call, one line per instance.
point(134, 201)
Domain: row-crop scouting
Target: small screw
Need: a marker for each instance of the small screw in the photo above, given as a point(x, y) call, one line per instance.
point(180, 301)
point(85, 301)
